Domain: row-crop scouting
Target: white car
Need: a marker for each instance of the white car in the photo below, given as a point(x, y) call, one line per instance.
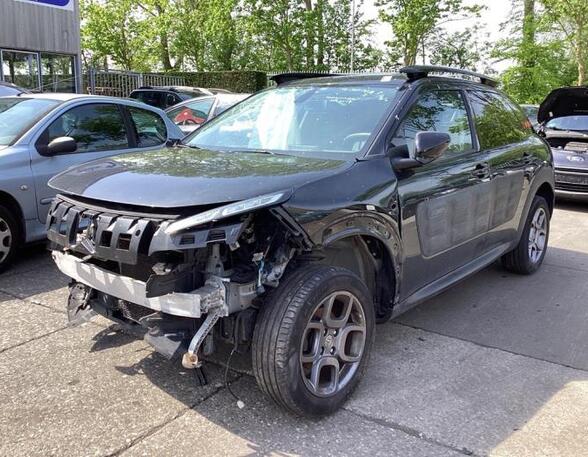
point(189, 115)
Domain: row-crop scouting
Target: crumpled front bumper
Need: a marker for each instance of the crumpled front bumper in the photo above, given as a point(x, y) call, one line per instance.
point(190, 304)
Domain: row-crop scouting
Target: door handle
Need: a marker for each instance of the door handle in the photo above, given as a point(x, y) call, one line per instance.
point(481, 170)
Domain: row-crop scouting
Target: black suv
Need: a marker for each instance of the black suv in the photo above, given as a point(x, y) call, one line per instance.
point(299, 218)
point(165, 96)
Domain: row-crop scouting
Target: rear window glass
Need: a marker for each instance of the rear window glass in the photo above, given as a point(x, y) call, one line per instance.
point(150, 97)
point(498, 121)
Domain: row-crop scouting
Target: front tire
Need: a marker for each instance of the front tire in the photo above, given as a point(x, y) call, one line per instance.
point(313, 338)
point(9, 238)
point(528, 255)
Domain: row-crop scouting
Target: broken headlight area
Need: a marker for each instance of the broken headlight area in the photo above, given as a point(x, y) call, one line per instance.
point(176, 284)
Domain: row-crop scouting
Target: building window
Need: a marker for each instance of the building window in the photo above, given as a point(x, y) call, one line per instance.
point(21, 68)
point(58, 74)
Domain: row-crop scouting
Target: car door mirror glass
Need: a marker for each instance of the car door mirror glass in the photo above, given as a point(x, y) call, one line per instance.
point(429, 146)
point(62, 145)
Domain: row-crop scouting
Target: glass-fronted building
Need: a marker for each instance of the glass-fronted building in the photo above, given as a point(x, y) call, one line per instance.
point(40, 44)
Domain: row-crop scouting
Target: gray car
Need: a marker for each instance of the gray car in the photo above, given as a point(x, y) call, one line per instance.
point(43, 134)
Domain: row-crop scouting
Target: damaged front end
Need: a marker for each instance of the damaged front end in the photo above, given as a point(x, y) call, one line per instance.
point(174, 274)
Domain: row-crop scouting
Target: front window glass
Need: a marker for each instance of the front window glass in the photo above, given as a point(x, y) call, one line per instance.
point(18, 114)
point(306, 119)
point(437, 111)
point(95, 127)
point(578, 123)
point(150, 127)
point(193, 113)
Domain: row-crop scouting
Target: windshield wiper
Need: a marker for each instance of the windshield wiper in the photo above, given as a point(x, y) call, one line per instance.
point(184, 145)
point(257, 151)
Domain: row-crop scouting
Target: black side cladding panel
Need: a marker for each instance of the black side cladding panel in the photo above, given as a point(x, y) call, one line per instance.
point(457, 217)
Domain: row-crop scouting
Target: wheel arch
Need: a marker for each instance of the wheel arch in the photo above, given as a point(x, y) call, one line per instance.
point(371, 258)
point(8, 201)
point(546, 191)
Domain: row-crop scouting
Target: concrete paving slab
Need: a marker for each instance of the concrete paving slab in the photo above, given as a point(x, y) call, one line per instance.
point(89, 391)
point(567, 241)
point(21, 322)
point(461, 394)
point(217, 427)
point(45, 285)
point(563, 419)
point(543, 315)
point(29, 258)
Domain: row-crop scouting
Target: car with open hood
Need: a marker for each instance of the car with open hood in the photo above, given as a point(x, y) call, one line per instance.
point(563, 118)
point(294, 221)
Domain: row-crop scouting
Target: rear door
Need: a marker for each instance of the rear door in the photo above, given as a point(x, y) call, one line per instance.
point(445, 204)
point(99, 129)
point(504, 133)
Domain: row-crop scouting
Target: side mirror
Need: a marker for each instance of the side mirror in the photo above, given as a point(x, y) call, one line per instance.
point(428, 147)
point(62, 145)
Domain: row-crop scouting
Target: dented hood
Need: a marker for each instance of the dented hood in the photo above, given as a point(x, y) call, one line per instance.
point(179, 177)
point(565, 101)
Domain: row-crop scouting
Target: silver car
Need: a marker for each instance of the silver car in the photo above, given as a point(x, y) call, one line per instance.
point(43, 134)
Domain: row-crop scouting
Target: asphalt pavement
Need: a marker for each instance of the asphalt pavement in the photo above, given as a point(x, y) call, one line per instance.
point(498, 365)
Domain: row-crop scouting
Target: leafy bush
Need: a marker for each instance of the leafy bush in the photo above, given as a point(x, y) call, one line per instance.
point(235, 81)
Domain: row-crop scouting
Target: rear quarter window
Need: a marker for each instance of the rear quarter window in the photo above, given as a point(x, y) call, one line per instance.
point(498, 121)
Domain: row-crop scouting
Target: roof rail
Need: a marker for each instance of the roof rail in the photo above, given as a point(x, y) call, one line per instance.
point(415, 72)
point(282, 78)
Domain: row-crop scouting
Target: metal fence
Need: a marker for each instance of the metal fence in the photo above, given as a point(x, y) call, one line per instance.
point(121, 83)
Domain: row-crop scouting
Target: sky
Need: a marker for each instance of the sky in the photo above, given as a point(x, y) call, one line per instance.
point(496, 12)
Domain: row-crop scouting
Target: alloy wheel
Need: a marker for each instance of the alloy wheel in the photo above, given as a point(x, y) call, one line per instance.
point(5, 239)
point(333, 344)
point(537, 235)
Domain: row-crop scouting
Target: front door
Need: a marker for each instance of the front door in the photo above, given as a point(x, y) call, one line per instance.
point(99, 130)
point(445, 204)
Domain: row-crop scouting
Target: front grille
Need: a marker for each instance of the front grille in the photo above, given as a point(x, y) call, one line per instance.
point(571, 187)
point(103, 234)
point(571, 181)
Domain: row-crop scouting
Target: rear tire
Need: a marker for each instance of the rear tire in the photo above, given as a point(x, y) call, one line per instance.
point(9, 238)
point(528, 255)
point(312, 339)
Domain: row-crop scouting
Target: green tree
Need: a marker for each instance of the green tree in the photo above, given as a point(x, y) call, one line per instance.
point(457, 49)
point(413, 21)
point(112, 31)
point(572, 18)
point(542, 60)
